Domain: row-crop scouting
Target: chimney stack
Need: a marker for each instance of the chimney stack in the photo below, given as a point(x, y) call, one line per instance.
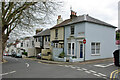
point(59, 20)
point(73, 14)
point(39, 30)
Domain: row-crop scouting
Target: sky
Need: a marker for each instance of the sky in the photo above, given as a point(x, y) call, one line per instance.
point(105, 10)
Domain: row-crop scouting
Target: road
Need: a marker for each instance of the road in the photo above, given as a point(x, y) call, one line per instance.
point(23, 68)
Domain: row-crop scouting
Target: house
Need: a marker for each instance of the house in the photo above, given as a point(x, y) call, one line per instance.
point(26, 45)
point(43, 38)
point(99, 36)
point(57, 37)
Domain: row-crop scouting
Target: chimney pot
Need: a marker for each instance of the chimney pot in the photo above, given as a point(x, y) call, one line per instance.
point(59, 17)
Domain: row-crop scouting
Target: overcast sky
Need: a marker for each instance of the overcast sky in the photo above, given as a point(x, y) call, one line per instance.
point(105, 10)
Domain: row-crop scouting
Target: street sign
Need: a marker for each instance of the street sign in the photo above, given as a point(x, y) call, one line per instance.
point(84, 41)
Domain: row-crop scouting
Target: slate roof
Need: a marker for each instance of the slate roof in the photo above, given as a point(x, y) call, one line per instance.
point(43, 33)
point(83, 18)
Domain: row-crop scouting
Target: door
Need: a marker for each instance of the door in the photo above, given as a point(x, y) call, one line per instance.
point(81, 50)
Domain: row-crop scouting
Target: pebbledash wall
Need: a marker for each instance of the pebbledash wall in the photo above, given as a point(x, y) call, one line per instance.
point(103, 34)
point(92, 33)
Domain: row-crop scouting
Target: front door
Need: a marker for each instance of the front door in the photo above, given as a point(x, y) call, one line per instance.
point(81, 50)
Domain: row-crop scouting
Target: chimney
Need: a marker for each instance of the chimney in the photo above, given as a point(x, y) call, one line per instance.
point(73, 14)
point(39, 30)
point(59, 20)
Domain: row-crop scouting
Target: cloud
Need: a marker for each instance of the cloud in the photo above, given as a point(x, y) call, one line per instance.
point(106, 10)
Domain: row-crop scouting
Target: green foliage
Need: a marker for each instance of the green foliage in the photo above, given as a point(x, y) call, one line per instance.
point(25, 53)
point(117, 36)
point(74, 57)
point(62, 55)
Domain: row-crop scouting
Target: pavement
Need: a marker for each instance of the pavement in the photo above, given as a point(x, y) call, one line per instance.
point(70, 63)
point(33, 68)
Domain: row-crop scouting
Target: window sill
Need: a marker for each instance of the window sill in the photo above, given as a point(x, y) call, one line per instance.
point(56, 38)
point(95, 54)
point(71, 35)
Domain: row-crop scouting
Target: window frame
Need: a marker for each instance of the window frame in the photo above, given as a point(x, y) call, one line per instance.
point(72, 29)
point(56, 33)
point(96, 54)
point(71, 48)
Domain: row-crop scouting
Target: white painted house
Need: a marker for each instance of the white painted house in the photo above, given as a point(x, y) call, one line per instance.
point(26, 45)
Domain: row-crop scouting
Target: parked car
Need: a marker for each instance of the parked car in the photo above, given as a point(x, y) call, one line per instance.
point(13, 54)
point(39, 56)
point(5, 54)
point(9, 54)
point(18, 55)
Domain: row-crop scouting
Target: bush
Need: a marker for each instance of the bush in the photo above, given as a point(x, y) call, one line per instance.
point(74, 57)
point(62, 55)
point(25, 53)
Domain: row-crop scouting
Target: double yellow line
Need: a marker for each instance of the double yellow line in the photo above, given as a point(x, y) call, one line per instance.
point(114, 73)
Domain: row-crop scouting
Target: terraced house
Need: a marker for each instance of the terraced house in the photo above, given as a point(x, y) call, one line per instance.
point(42, 43)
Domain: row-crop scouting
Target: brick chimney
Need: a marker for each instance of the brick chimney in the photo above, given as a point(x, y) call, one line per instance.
point(73, 14)
point(59, 20)
point(39, 30)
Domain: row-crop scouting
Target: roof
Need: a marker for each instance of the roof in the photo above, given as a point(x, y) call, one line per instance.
point(83, 18)
point(43, 33)
point(61, 24)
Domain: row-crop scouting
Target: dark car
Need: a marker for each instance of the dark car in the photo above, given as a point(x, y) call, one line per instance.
point(13, 54)
point(18, 55)
point(39, 56)
point(117, 57)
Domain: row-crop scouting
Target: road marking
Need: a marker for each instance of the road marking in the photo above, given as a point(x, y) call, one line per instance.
point(96, 75)
point(84, 69)
point(27, 64)
point(116, 74)
point(92, 71)
point(102, 65)
point(79, 69)
point(66, 66)
point(87, 72)
point(7, 73)
point(60, 65)
point(112, 74)
point(73, 67)
point(102, 74)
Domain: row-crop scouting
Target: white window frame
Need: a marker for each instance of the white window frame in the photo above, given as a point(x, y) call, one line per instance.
point(71, 48)
point(57, 45)
point(96, 54)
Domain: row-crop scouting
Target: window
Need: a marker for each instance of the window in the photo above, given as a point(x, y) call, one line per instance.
point(95, 48)
point(69, 48)
point(56, 33)
point(21, 44)
point(49, 38)
point(39, 39)
point(36, 39)
point(27, 44)
point(33, 43)
point(46, 38)
point(72, 30)
point(56, 45)
point(72, 48)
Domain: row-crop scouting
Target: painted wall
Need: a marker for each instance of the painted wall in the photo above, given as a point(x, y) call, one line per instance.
point(60, 34)
point(79, 28)
point(104, 35)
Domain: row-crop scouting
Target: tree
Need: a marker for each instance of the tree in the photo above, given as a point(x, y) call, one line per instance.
point(23, 16)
